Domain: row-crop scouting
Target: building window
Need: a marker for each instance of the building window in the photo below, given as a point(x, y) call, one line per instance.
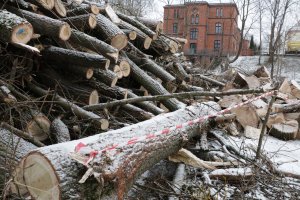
point(197, 19)
point(192, 19)
point(194, 34)
point(193, 48)
point(218, 28)
point(176, 13)
point(175, 28)
point(219, 12)
point(217, 44)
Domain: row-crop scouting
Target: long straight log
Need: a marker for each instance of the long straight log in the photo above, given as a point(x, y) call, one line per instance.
point(94, 44)
point(116, 169)
point(154, 25)
point(215, 82)
point(153, 86)
point(47, 4)
point(138, 25)
point(151, 66)
point(83, 9)
point(96, 119)
point(106, 76)
point(44, 25)
point(110, 32)
point(82, 22)
point(183, 95)
point(14, 28)
point(59, 55)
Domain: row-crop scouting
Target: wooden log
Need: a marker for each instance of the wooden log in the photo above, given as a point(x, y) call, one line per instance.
point(80, 71)
point(154, 25)
point(141, 37)
point(124, 67)
point(246, 116)
point(60, 8)
point(44, 25)
point(96, 119)
point(180, 73)
point(111, 14)
point(138, 25)
point(94, 44)
point(57, 55)
point(12, 149)
point(110, 32)
point(136, 112)
point(47, 4)
point(82, 22)
point(106, 76)
point(59, 131)
point(14, 28)
point(117, 70)
point(83, 9)
point(151, 66)
point(152, 85)
point(6, 96)
point(128, 164)
point(287, 108)
point(215, 82)
point(132, 35)
point(285, 131)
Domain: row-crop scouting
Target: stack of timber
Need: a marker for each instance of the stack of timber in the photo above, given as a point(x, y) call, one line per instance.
point(77, 72)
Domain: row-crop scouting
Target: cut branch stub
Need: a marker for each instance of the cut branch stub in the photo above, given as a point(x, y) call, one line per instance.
point(14, 28)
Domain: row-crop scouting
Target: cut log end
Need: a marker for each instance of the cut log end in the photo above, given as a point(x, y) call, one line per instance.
point(47, 4)
point(147, 42)
point(95, 10)
point(39, 127)
point(40, 177)
point(89, 73)
point(94, 98)
point(160, 27)
point(114, 82)
point(132, 35)
point(104, 124)
point(118, 71)
point(60, 9)
point(65, 32)
point(285, 131)
point(125, 68)
point(92, 21)
point(22, 33)
point(119, 41)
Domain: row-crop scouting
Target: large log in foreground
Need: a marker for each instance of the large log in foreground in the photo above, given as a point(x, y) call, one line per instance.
point(117, 169)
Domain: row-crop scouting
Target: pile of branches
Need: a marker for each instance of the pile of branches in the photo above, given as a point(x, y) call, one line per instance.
point(74, 69)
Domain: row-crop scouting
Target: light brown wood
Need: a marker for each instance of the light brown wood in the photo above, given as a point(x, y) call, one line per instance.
point(125, 68)
point(59, 8)
point(285, 131)
point(94, 98)
point(246, 116)
point(37, 125)
point(275, 119)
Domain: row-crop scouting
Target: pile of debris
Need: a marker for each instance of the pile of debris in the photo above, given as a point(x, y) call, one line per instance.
point(71, 71)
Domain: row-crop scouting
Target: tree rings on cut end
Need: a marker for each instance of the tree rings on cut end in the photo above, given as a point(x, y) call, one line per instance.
point(65, 32)
point(89, 73)
point(119, 41)
point(147, 42)
point(22, 33)
point(92, 21)
point(94, 98)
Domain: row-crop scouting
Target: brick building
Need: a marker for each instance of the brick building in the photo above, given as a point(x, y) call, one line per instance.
point(210, 28)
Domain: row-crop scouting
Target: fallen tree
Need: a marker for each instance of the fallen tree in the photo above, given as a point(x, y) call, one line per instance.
point(118, 166)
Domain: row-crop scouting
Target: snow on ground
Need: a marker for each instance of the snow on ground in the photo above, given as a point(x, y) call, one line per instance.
point(284, 154)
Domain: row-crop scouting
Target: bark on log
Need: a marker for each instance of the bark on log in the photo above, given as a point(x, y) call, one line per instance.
point(151, 66)
point(117, 70)
point(14, 28)
point(62, 56)
point(106, 76)
point(117, 171)
point(60, 8)
point(59, 131)
point(287, 108)
point(141, 38)
point(83, 9)
point(153, 86)
point(154, 25)
point(124, 67)
point(168, 96)
point(44, 25)
point(12, 149)
point(82, 22)
point(180, 73)
point(94, 44)
point(111, 14)
point(6, 96)
point(136, 112)
point(96, 119)
point(215, 82)
point(138, 25)
point(110, 32)
point(47, 4)
point(130, 34)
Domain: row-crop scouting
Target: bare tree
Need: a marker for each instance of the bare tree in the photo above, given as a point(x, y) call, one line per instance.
point(278, 10)
point(132, 7)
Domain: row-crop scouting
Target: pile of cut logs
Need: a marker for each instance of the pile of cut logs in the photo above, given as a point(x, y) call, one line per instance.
point(71, 70)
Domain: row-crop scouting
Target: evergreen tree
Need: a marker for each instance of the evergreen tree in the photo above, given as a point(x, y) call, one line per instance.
point(252, 44)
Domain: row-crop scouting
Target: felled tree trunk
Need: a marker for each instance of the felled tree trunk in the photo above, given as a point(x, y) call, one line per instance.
point(12, 149)
point(94, 44)
point(83, 9)
point(117, 169)
point(47, 4)
point(82, 22)
point(110, 32)
point(45, 25)
point(14, 28)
